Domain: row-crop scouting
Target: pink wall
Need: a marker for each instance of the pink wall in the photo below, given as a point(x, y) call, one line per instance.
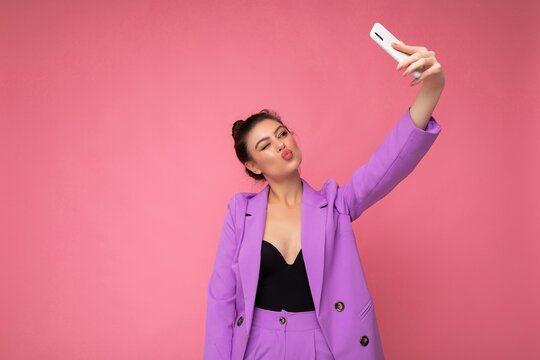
point(116, 165)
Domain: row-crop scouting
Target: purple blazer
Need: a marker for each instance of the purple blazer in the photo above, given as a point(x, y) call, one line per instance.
point(343, 302)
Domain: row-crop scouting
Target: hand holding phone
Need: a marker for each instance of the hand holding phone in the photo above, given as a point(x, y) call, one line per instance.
point(385, 38)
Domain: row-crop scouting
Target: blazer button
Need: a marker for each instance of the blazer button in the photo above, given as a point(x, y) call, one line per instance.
point(339, 306)
point(240, 321)
point(364, 341)
point(282, 320)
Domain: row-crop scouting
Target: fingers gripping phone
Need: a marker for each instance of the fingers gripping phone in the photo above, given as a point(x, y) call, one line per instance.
point(385, 38)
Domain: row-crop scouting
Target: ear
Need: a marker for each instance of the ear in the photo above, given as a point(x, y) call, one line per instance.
point(251, 166)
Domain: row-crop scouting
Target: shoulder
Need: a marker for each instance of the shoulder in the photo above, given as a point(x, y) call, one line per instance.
point(239, 200)
point(241, 196)
point(332, 191)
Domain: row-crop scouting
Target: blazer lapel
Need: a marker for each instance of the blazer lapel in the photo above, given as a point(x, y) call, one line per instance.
point(313, 236)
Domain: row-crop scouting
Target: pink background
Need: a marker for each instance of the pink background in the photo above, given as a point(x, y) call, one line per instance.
point(116, 165)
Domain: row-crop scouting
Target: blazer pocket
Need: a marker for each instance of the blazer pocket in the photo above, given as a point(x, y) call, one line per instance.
point(366, 310)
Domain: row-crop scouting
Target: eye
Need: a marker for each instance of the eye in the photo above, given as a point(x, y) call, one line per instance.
point(282, 133)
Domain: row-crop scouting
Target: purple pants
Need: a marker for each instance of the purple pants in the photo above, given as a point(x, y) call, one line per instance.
point(286, 335)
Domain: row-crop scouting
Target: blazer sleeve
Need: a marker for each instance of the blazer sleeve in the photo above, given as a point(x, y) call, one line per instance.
point(220, 311)
point(392, 161)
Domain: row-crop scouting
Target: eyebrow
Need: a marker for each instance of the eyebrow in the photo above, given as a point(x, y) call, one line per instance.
point(266, 138)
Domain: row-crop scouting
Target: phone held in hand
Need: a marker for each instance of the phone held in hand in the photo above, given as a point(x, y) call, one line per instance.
point(385, 38)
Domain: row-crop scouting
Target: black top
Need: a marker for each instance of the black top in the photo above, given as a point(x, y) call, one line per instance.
point(282, 286)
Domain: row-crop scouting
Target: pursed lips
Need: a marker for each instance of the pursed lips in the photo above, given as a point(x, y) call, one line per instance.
point(286, 154)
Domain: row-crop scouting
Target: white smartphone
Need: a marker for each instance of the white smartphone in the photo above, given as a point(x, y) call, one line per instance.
point(384, 38)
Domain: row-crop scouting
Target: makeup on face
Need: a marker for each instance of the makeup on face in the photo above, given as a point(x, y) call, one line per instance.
point(276, 132)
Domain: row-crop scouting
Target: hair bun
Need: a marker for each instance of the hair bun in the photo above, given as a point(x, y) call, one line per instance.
point(236, 127)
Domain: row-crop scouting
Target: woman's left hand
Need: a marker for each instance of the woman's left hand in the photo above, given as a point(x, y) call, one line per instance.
point(423, 60)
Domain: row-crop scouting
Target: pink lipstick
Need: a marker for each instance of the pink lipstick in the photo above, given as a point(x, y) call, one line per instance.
point(287, 154)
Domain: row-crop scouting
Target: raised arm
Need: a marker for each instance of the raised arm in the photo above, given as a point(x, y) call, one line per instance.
point(392, 161)
point(409, 139)
point(220, 312)
point(432, 80)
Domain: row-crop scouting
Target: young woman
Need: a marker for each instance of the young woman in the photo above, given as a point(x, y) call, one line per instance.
point(288, 282)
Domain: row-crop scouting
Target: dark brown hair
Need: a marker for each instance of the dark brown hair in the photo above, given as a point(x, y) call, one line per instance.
point(241, 129)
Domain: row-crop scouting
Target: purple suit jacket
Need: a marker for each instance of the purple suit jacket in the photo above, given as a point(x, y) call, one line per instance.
point(331, 256)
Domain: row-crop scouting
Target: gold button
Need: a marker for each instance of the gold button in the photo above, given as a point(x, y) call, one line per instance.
point(240, 321)
point(364, 341)
point(282, 320)
point(339, 306)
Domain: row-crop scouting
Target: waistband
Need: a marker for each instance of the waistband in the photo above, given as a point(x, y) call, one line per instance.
point(285, 320)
